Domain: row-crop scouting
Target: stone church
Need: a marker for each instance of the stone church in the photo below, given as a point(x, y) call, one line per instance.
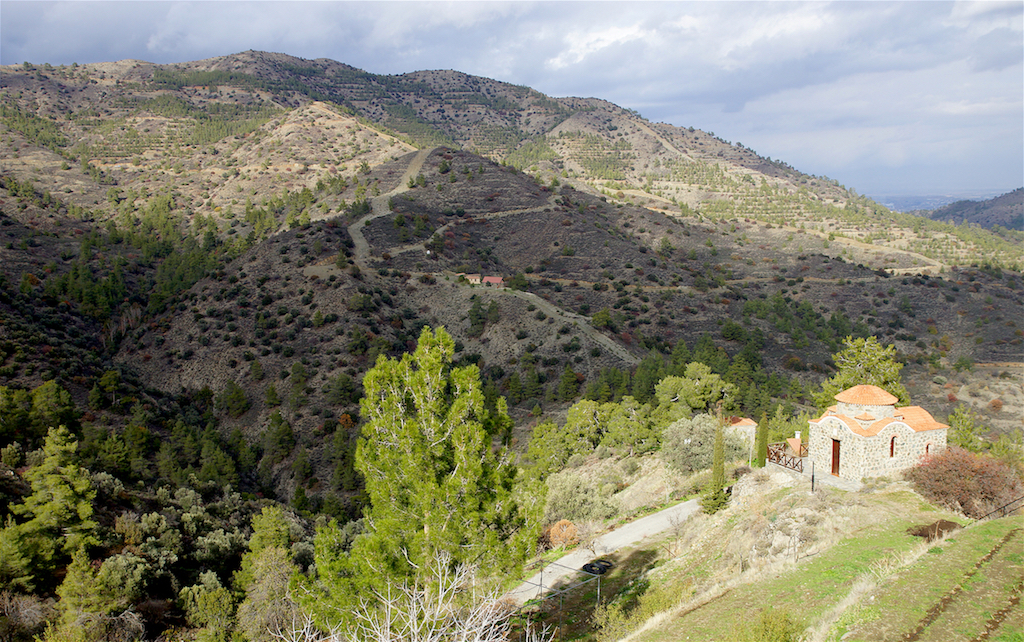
point(866, 435)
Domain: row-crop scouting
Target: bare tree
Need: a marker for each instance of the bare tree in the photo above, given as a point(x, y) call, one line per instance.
point(441, 605)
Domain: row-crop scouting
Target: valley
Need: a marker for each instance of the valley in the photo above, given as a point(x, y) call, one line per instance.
point(201, 262)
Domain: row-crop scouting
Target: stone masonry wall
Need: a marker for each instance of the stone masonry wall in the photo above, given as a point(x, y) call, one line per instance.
point(862, 457)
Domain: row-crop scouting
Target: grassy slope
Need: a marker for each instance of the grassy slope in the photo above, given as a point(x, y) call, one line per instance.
point(858, 572)
point(880, 584)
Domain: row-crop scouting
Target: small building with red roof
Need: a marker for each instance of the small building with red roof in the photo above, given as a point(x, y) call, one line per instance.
point(866, 435)
point(744, 427)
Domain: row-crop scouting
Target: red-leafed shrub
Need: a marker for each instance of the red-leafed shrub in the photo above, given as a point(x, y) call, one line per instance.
point(562, 533)
point(971, 483)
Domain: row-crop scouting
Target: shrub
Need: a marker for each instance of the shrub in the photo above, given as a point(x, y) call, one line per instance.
point(562, 533)
point(961, 480)
point(576, 497)
point(687, 445)
point(771, 626)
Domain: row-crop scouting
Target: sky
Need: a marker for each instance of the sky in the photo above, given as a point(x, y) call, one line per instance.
point(888, 98)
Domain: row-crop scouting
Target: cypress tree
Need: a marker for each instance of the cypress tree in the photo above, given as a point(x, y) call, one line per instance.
point(761, 446)
point(714, 498)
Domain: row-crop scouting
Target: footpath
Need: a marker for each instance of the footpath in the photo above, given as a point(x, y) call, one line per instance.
point(626, 535)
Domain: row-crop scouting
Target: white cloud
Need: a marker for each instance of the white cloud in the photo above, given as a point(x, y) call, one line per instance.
point(582, 45)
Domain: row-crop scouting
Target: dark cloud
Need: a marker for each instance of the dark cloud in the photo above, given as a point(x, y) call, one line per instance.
point(866, 92)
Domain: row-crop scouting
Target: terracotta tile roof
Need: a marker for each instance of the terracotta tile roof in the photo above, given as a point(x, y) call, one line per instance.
point(741, 422)
point(850, 423)
point(865, 416)
point(866, 395)
point(915, 417)
point(919, 419)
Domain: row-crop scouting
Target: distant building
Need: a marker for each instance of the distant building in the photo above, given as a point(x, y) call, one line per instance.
point(745, 427)
point(866, 435)
point(476, 279)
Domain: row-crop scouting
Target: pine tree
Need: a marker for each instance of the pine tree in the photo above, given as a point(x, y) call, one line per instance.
point(80, 594)
point(761, 446)
point(864, 361)
point(60, 507)
point(434, 483)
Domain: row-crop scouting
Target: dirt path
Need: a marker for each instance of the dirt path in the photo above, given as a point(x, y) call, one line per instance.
point(379, 207)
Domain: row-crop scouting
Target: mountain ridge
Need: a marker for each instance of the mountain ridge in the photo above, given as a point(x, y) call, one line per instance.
point(1005, 210)
point(225, 222)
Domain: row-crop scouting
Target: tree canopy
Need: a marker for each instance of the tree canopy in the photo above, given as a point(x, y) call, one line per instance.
point(864, 361)
point(435, 484)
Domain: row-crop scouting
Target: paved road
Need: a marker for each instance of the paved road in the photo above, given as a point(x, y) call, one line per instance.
point(621, 537)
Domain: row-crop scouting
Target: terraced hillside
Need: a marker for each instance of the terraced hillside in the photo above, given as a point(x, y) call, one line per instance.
point(257, 229)
point(827, 565)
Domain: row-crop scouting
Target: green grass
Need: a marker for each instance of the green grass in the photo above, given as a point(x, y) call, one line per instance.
point(811, 588)
point(921, 587)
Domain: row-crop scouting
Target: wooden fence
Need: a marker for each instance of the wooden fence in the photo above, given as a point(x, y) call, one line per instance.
point(780, 454)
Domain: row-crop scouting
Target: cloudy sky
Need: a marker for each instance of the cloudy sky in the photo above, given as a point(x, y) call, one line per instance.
point(886, 97)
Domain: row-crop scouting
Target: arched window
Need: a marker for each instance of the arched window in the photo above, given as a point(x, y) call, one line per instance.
point(892, 446)
point(927, 447)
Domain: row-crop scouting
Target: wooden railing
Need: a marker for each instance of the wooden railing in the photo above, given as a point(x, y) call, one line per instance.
point(780, 454)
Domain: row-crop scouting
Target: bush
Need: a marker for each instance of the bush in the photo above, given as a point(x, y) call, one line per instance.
point(688, 444)
point(576, 497)
point(562, 533)
point(970, 483)
point(772, 626)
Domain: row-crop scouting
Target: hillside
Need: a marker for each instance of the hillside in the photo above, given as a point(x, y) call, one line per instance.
point(1005, 211)
point(258, 228)
point(835, 564)
point(200, 262)
point(131, 117)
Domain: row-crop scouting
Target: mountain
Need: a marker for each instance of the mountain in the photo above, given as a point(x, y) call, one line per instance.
point(1005, 211)
point(243, 236)
point(200, 262)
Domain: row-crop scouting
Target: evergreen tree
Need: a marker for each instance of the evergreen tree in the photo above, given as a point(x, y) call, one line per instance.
point(434, 483)
point(714, 498)
point(59, 511)
point(80, 593)
point(232, 399)
point(568, 385)
point(965, 429)
point(761, 446)
point(864, 361)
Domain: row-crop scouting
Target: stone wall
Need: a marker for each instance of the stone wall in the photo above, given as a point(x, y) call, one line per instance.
point(862, 457)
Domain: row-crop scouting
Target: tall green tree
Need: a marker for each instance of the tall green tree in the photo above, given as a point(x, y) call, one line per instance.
point(697, 391)
point(864, 361)
point(714, 498)
point(435, 484)
point(965, 429)
point(58, 513)
point(761, 446)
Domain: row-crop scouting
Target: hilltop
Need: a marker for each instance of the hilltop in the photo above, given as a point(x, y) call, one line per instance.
point(1004, 211)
